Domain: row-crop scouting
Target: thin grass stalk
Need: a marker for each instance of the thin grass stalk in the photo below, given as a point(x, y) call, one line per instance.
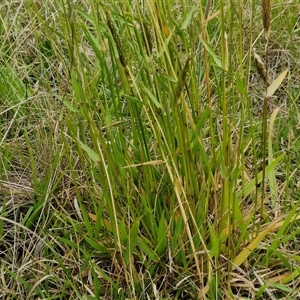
point(266, 16)
point(225, 202)
point(207, 79)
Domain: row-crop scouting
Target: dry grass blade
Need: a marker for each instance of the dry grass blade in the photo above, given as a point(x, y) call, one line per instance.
point(147, 163)
point(276, 84)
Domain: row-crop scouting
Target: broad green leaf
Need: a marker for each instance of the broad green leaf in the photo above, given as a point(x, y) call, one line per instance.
point(250, 187)
point(2, 212)
point(152, 97)
point(123, 232)
point(279, 286)
point(162, 237)
point(165, 44)
point(131, 242)
point(281, 232)
point(86, 15)
point(67, 242)
point(212, 54)
point(291, 276)
point(240, 85)
point(147, 250)
point(96, 245)
point(93, 42)
point(202, 119)
point(77, 87)
point(91, 153)
point(177, 232)
point(133, 99)
point(188, 18)
point(215, 242)
point(69, 106)
point(19, 279)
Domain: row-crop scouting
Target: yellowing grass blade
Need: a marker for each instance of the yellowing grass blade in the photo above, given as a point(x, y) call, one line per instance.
point(147, 163)
point(243, 255)
point(105, 222)
point(276, 83)
point(286, 277)
point(272, 177)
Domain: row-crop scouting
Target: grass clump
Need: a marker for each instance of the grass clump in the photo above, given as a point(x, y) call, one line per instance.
point(149, 150)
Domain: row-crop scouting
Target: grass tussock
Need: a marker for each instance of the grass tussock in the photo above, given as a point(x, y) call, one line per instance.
point(149, 150)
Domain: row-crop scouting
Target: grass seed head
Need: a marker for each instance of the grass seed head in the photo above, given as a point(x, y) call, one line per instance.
point(266, 15)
